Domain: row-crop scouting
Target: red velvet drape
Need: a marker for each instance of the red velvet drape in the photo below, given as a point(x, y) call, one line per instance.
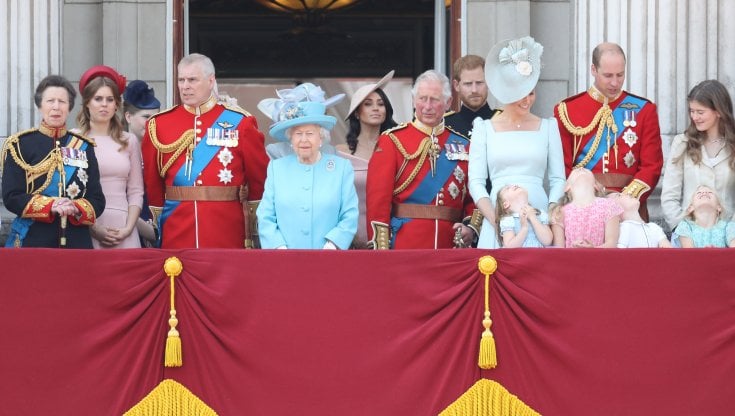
point(578, 332)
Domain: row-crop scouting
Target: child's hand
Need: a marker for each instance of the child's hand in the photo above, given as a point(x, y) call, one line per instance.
point(583, 244)
point(523, 217)
point(529, 211)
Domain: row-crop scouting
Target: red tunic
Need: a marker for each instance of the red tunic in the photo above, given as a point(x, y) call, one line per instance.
point(642, 160)
point(203, 223)
point(381, 181)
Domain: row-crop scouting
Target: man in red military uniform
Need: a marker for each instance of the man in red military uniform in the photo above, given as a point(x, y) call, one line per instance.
point(417, 194)
point(204, 164)
point(613, 133)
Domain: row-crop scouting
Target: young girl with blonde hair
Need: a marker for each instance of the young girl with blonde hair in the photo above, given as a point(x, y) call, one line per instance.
point(585, 218)
point(703, 225)
point(520, 224)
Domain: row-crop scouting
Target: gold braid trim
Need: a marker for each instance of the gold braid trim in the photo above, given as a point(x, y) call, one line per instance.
point(51, 162)
point(177, 147)
point(603, 118)
point(420, 153)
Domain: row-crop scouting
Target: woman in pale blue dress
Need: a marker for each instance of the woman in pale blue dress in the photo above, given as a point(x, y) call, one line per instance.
point(515, 146)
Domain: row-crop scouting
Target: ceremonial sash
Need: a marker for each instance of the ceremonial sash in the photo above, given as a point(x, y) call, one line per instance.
point(20, 226)
point(430, 185)
point(629, 103)
point(203, 154)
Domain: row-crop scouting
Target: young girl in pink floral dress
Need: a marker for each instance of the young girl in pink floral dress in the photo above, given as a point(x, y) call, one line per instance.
point(586, 219)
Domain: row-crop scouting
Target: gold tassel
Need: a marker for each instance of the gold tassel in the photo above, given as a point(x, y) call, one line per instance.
point(170, 398)
point(172, 266)
point(488, 398)
point(488, 357)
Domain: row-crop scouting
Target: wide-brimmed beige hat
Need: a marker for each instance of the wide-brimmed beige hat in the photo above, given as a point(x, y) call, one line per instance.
point(362, 92)
point(512, 68)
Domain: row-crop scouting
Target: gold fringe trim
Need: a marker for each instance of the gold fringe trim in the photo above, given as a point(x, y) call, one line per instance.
point(170, 398)
point(488, 357)
point(173, 267)
point(488, 398)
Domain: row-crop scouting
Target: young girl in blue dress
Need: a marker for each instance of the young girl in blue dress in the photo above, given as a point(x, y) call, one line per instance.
point(702, 226)
point(520, 224)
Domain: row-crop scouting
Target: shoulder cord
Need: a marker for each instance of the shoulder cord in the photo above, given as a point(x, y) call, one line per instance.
point(602, 119)
point(51, 162)
point(420, 153)
point(177, 147)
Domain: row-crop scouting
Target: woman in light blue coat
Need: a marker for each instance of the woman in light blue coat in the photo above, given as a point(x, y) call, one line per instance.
point(309, 200)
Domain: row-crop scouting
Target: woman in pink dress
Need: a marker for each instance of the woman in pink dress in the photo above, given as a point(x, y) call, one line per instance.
point(119, 157)
point(370, 114)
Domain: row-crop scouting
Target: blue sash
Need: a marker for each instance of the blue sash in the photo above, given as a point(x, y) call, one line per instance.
point(430, 185)
point(20, 226)
point(201, 156)
point(629, 103)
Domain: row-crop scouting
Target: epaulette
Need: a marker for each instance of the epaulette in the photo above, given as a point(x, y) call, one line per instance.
point(396, 128)
point(168, 110)
point(23, 133)
point(449, 113)
point(639, 97)
point(238, 109)
point(83, 137)
point(573, 97)
point(457, 133)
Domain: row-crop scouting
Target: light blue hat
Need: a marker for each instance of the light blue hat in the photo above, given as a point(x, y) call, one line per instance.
point(303, 104)
point(512, 68)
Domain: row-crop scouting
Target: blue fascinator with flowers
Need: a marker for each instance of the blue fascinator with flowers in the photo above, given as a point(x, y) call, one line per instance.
point(304, 104)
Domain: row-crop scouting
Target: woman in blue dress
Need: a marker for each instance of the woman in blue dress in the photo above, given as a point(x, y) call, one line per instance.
point(515, 146)
point(309, 201)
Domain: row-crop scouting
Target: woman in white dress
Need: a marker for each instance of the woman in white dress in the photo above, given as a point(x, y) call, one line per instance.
point(515, 146)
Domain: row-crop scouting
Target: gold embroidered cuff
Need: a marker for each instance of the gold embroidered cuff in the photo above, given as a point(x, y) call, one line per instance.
point(87, 216)
point(636, 188)
point(39, 209)
point(381, 236)
point(155, 214)
point(476, 221)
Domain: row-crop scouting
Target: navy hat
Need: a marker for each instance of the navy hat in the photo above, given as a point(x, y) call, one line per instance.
point(140, 95)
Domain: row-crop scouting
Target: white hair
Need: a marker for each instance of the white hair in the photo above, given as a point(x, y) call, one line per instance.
point(201, 60)
point(323, 133)
point(433, 75)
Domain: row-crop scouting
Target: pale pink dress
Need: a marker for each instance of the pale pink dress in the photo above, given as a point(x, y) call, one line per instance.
point(588, 222)
point(360, 166)
point(121, 176)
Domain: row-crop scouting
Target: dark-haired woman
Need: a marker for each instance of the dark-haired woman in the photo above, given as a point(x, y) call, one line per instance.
point(370, 114)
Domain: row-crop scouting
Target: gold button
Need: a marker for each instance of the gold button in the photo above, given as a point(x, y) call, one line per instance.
point(199, 122)
point(440, 202)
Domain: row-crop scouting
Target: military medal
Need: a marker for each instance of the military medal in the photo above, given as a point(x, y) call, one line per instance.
point(225, 157)
point(459, 174)
point(456, 151)
point(629, 159)
point(453, 190)
point(74, 157)
point(630, 138)
point(225, 175)
point(222, 137)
